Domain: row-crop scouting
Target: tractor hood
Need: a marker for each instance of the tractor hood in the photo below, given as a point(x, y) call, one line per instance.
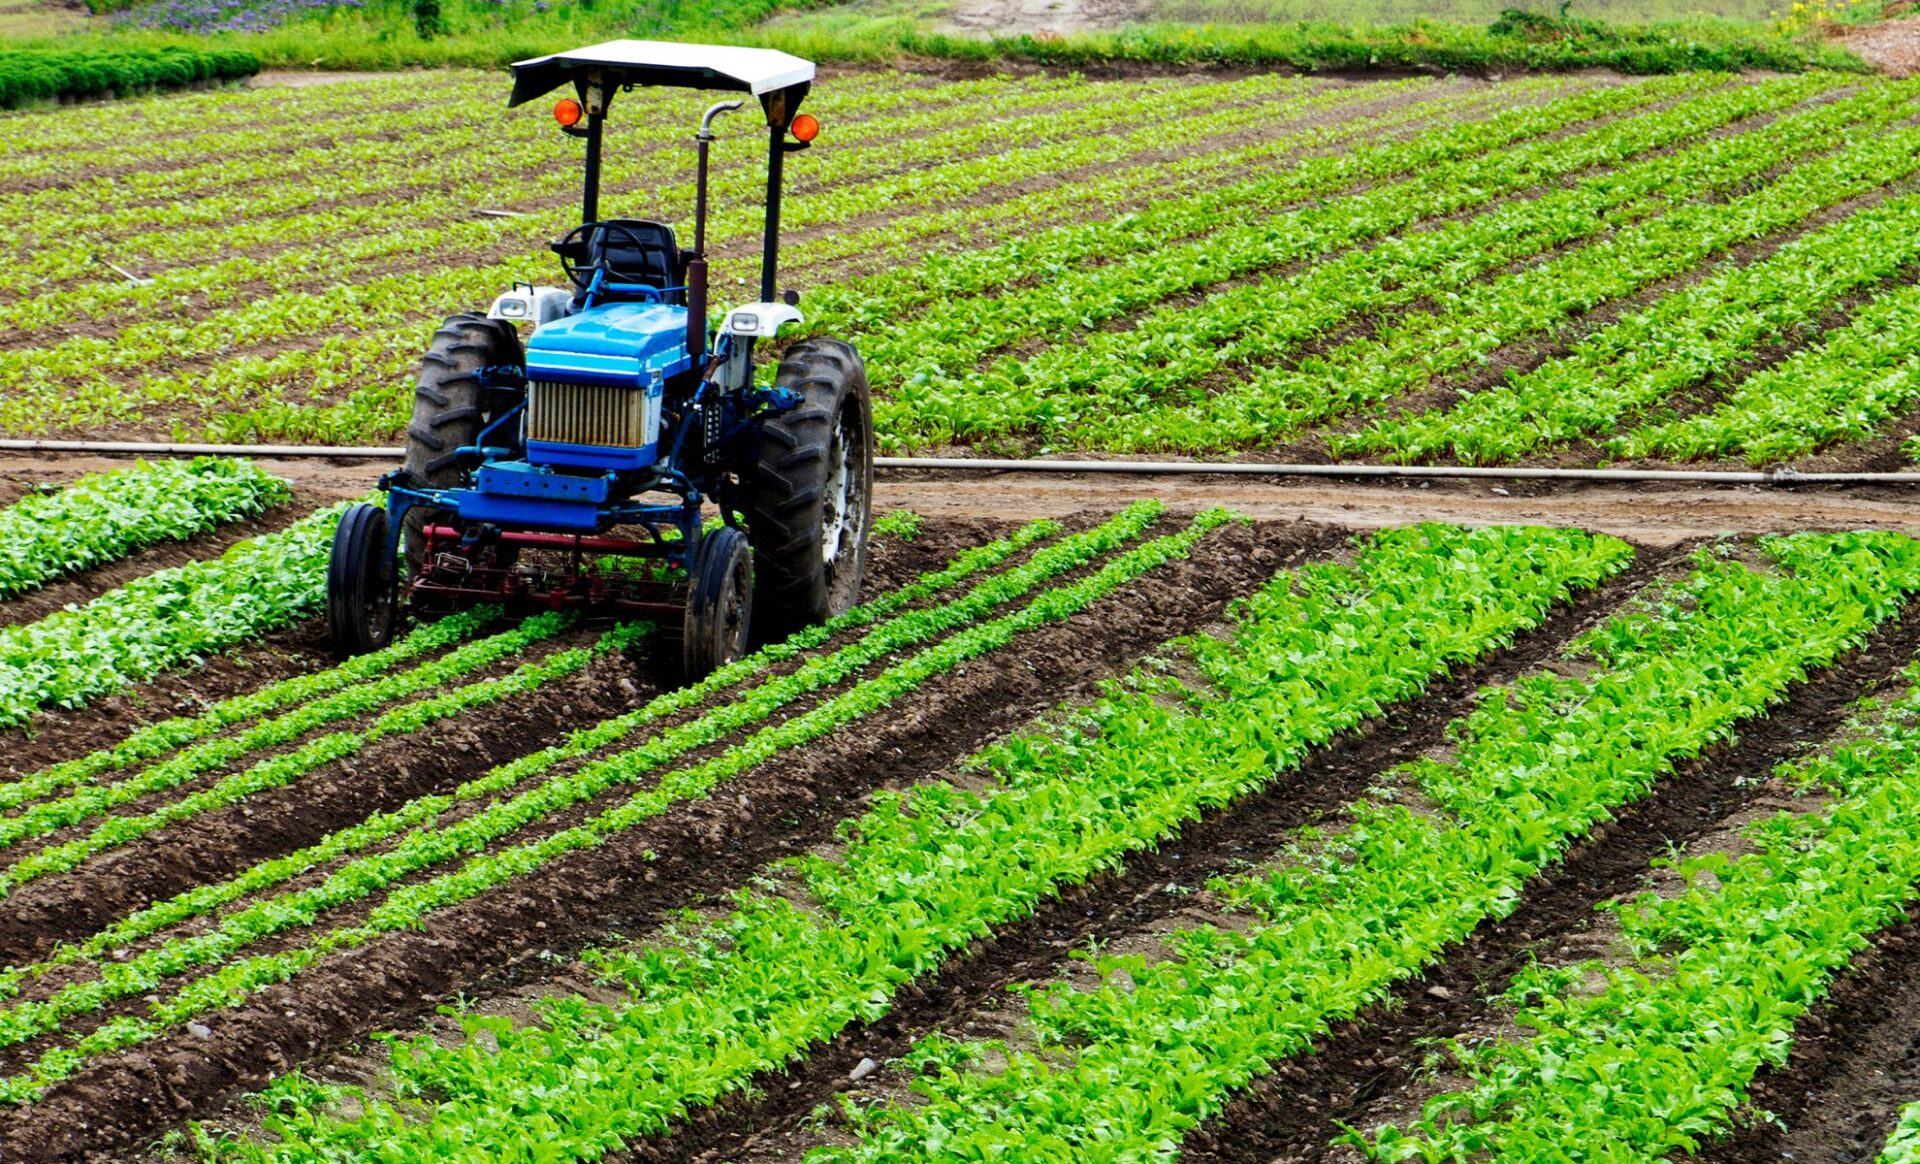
point(622, 344)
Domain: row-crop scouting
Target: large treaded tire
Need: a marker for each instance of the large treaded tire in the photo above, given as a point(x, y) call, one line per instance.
point(810, 492)
point(450, 405)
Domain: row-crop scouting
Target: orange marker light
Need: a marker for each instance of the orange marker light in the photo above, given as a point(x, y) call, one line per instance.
point(567, 112)
point(806, 127)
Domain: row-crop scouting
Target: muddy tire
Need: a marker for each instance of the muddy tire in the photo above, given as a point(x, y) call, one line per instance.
point(719, 605)
point(810, 492)
point(450, 406)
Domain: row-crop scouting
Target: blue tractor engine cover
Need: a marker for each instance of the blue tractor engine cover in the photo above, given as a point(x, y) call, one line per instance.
point(595, 382)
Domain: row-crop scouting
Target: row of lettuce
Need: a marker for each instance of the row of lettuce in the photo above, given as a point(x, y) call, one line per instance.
point(35, 75)
point(1658, 1060)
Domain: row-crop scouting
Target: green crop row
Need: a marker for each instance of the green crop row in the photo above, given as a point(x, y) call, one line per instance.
point(1091, 393)
point(917, 360)
point(157, 740)
point(1903, 1146)
point(1845, 387)
point(1072, 139)
point(164, 619)
point(100, 800)
point(524, 144)
point(84, 369)
point(865, 165)
point(103, 517)
point(206, 899)
point(486, 867)
point(27, 1019)
point(371, 369)
point(1408, 353)
point(1691, 336)
point(419, 844)
point(928, 871)
point(1656, 1059)
point(1131, 1065)
point(28, 75)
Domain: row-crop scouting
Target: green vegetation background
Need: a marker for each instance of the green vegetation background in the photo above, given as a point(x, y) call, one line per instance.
point(1442, 35)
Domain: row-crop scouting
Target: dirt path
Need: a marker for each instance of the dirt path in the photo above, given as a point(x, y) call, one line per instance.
point(1655, 515)
point(1892, 47)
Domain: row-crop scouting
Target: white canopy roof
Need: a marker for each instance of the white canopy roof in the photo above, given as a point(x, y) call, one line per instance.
point(659, 62)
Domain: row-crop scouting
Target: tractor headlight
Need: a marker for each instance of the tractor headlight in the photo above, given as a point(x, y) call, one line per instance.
point(745, 323)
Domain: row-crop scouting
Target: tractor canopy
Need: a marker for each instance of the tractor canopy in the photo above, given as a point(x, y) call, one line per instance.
point(655, 62)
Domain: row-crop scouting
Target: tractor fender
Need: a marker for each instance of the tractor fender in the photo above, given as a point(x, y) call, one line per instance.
point(759, 320)
point(529, 304)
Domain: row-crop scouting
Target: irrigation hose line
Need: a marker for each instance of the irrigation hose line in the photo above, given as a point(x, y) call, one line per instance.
point(1148, 468)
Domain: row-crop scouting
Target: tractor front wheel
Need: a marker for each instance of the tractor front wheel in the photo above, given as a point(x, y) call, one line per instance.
point(360, 584)
point(719, 604)
point(810, 491)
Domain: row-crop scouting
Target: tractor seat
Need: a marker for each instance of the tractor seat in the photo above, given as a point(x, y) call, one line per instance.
point(643, 253)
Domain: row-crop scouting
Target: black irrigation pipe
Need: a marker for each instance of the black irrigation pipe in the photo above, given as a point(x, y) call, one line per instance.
point(1776, 477)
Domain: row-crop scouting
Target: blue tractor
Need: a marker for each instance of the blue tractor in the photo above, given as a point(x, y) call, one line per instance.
point(564, 445)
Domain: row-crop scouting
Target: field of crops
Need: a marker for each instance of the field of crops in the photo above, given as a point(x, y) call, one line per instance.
point(1563, 269)
point(1128, 835)
point(1137, 832)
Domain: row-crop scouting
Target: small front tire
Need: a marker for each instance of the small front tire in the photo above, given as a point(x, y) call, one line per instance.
point(361, 607)
point(719, 604)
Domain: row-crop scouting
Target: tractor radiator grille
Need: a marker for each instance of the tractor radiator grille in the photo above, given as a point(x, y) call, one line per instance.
point(587, 414)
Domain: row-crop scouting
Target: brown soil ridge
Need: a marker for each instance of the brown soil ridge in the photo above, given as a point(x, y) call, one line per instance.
point(699, 848)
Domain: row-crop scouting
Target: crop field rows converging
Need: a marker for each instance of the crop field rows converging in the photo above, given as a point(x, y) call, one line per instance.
point(1412, 270)
point(1137, 835)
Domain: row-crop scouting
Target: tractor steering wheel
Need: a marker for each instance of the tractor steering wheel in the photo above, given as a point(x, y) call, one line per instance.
point(579, 240)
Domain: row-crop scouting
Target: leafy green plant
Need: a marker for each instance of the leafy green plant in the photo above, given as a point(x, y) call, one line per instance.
point(165, 619)
point(106, 516)
point(1136, 1062)
point(901, 523)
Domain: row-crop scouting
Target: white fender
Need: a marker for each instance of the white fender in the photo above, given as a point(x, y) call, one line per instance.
point(529, 304)
point(759, 320)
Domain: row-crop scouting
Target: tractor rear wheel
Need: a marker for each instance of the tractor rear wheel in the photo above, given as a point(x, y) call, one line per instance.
point(450, 406)
point(810, 491)
point(360, 584)
point(719, 604)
